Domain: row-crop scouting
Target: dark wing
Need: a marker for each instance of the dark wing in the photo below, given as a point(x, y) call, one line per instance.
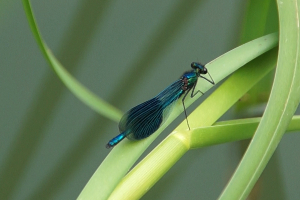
point(144, 119)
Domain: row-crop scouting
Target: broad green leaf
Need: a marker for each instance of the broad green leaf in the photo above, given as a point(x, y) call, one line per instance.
point(284, 99)
point(123, 156)
point(165, 155)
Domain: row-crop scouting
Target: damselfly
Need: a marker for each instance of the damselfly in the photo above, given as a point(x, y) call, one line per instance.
point(144, 119)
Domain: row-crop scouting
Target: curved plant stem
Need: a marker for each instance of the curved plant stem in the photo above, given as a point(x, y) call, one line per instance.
point(284, 99)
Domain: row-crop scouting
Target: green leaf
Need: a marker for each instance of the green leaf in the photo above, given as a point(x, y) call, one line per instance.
point(140, 178)
point(165, 155)
point(125, 154)
point(234, 130)
point(70, 82)
point(284, 99)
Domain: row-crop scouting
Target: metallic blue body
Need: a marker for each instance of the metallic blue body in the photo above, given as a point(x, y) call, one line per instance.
point(144, 119)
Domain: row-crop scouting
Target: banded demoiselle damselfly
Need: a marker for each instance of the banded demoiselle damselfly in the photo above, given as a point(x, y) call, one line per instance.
point(144, 119)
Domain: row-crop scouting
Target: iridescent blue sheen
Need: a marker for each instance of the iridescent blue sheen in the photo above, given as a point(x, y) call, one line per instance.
point(144, 119)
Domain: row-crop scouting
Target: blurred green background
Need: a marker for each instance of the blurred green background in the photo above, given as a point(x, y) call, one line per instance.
point(126, 52)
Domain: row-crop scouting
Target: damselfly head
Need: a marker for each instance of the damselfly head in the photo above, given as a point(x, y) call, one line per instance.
point(199, 67)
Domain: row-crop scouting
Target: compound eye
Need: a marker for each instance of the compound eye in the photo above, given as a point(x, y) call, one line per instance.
point(204, 71)
point(193, 65)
